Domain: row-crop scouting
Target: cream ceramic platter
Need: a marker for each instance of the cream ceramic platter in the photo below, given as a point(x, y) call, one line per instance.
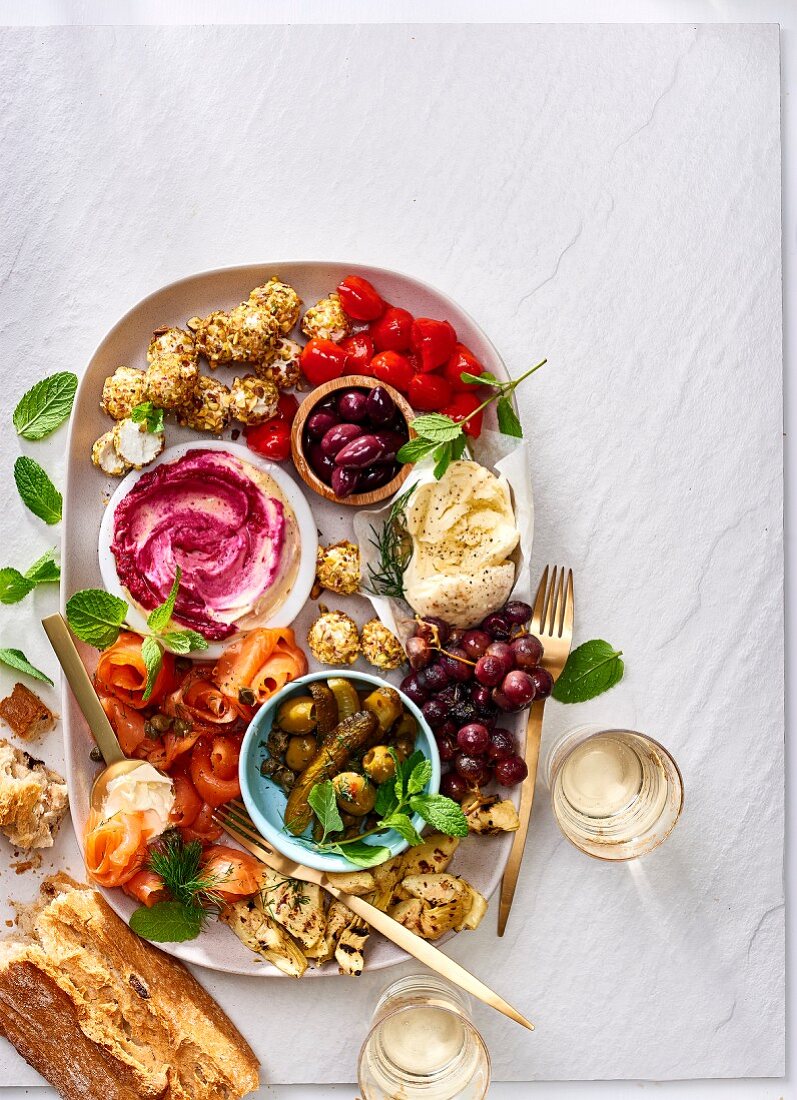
point(479, 859)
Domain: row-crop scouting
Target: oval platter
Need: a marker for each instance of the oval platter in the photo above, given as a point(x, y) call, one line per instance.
point(481, 861)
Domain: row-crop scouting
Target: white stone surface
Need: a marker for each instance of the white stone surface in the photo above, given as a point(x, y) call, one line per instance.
point(605, 196)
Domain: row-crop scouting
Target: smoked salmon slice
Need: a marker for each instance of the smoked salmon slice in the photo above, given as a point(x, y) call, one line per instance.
point(121, 673)
point(115, 848)
point(263, 661)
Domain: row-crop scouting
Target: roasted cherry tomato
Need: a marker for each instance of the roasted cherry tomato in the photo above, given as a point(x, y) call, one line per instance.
point(272, 440)
point(322, 360)
point(287, 408)
point(390, 367)
point(429, 392)
point(463, 405)
point(393, 330)
point(433, 340)
point(360, 351)
point(359, 299)
point(462, 361)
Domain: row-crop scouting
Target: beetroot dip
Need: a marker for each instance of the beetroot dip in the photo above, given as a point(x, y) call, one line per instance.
point(226, 524)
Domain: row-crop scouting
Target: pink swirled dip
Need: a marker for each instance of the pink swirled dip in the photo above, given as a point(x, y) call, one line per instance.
point(228, 527)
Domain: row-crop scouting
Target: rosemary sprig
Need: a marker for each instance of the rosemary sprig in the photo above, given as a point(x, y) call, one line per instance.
point(395, 549)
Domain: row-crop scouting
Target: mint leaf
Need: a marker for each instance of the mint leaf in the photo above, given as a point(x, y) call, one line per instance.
point(152, 655)
point(148, 414)
point(415, 450)
point(443, 456)
point(480, 379)
point(419, 777)
point(361, 854)
point(458, 447)
point(167, 922)
point(442, 813)
point(436, 427)
point(386, 800)
point(404, 827)
point(183, 641)
point(508, 420)
point(324, 804)
point(44, 571)
point(158, 619)
point(16, 659)
point(37, 491)
point(13, 586)
point(591, 669)
point(95, 616)
point(45, 406)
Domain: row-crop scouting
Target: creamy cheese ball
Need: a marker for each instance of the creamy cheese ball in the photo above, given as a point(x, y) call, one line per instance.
point(333, 639)
point(326, 320)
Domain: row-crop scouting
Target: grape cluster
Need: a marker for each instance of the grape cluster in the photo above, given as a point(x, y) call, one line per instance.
point(464, 680)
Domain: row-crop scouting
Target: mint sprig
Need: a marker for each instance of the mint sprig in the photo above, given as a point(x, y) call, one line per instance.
point(37, 491)
point(395, 799)
point(444, 439)
point(592, 668)
point(148, 414)
point(45, 406)
point(15, 586)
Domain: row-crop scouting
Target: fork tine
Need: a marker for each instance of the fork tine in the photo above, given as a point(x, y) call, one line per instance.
point(567, 618)
point(250, 845)
point(557, 618)
point(550, 603)
point(537, 618)
point(237, 824)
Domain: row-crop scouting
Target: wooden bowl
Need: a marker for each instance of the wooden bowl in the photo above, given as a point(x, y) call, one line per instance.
point(307, 407)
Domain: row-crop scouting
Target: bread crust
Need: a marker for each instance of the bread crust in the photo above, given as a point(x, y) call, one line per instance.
point(102, 1014)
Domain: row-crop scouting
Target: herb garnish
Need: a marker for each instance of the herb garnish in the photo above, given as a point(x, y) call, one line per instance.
point(395, 549)
point(148, 414)
point(591, 669)
point(444, 439)
point(45, 406)
point(96, 617)
point(396, 798)
point(194, 894)
point(37, 491)
point(15, 586)
point(16, 659)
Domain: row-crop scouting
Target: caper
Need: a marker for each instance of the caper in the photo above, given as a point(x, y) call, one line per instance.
point(182, 664)
point(161, 722)
point(405, 746)
point(277, 741)
point(150, 731)
point(96, 755)
point(270, 766)
point(182, 726)
point(247, 697)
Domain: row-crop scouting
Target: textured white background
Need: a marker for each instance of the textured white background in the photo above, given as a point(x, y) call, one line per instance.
point(628, 200)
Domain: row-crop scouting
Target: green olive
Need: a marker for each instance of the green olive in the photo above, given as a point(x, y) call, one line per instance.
point(297, 715)
point(378, 764)
point(356, 795)
point(300, 752)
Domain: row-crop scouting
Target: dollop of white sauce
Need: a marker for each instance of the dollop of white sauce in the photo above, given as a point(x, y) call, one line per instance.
point(144, 788)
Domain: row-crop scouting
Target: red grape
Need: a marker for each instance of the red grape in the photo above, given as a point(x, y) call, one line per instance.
point(503, 703)
point(433, 630)
point(511, 771)
point(489, 670)
point(527, 651)
point(470, 768)
point(454, 786)
point(517, 612)
point(497, 625)
point(502, 745)
point(475, 642)
point(518, 687)
point(482, 699)
point(455, 662)
point(455, 636)
point(419, 653)
point(434, 712)
point(474, 739)
point(412, 689)
point(503, 651)
point(543, 682)
point(446, 746)
point(448, 729)
point(435, 677)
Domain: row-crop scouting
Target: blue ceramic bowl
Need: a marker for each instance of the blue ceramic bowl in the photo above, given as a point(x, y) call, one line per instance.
point(266, 801)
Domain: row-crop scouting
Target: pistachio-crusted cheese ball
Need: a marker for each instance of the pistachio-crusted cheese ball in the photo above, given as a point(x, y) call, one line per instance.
point(381, 647)
point(105, 458)
point(326, 320)
point(338, 568)
point(135, 445)
point(122, 391)
point(333, 639)
point(253, 399)
point(208, 410)
point(172, 372)
point(282, 366)
point(280, 300)
point(245, 334)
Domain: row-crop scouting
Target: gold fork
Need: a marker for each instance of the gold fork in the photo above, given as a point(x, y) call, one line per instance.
point(552, 623)
point(234, 818)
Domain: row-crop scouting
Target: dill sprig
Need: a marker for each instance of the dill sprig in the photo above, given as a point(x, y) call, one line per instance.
point(180, 866)
point(395, 549)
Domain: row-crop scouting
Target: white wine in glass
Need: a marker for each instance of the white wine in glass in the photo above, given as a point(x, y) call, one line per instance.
point(616, 794)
